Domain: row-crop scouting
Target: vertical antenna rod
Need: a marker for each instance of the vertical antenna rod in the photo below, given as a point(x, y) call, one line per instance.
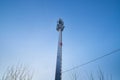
point(58, 73)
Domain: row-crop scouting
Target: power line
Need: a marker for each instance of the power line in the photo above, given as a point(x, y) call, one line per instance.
point(93, 60)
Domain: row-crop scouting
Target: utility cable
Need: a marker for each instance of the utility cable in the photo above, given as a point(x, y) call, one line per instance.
point(93, 60)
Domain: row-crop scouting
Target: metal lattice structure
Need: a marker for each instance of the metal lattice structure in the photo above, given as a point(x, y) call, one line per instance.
point(59, 28)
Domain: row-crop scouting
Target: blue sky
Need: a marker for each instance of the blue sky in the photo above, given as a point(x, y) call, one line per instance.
point(28, 35)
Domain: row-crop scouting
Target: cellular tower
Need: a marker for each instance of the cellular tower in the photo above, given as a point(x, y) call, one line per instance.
point(58, 73)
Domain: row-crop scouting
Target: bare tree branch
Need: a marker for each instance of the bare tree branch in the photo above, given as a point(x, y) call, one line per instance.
point(17, 73)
